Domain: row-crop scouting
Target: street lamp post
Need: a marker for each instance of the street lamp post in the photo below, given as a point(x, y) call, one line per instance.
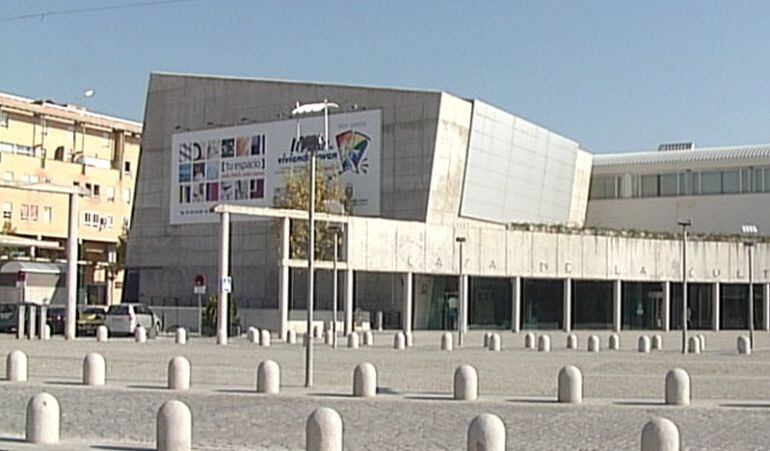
point(335, 207)
point(749, 233)
point(311, 108)
point(684, 224)
point(461, 286)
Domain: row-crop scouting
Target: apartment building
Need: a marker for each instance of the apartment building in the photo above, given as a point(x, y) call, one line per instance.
point(42, 142)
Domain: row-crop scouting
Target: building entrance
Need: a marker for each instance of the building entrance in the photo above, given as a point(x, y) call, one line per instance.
point(642, 305)
point(700, 302)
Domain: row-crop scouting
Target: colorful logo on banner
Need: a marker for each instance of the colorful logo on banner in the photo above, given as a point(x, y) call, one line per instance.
point(351, 147)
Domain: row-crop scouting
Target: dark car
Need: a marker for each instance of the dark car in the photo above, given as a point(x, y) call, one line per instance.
point(8, 318)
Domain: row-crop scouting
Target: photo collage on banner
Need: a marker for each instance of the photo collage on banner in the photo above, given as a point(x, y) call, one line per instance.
point(228, 169)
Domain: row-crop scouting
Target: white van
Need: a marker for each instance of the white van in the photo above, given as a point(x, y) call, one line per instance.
point(122, 319)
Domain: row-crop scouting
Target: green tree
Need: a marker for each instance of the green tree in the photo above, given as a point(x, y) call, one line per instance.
point(295, 196)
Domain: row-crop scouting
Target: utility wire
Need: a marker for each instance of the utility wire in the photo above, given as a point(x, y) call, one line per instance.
point(43, 15)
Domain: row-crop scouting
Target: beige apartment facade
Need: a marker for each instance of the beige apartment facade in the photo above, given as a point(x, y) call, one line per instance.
point(44, 143)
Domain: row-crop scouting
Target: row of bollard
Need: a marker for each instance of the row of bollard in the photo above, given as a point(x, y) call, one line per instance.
point(323, 428)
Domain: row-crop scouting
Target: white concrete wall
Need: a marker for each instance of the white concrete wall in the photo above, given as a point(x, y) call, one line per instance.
point(722, 214)
point(402, 246)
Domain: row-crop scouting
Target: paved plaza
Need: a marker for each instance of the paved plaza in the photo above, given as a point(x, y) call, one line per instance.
point(414, 410)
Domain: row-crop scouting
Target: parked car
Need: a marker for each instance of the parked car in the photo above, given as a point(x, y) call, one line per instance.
point(122, 319)
point(89, 319)
point(8, 318)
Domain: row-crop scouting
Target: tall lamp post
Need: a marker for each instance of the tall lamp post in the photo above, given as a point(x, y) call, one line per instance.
point(461, 286)
point(750, 232)
point(684, 224)
point(312, 108)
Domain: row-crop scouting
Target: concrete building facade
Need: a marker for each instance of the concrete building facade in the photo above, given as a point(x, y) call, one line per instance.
point(448, 168)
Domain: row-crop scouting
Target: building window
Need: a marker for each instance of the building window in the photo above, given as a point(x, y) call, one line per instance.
point(24, 212)
point(91, 219)
point(7, 210)
point(33, 210)
point(96, 191)
point(47, 213)
point(127, 167)
point(7, 176)
point(127, 195)
point(731, 182)
point(711, 182)
point(669, 184)
point(650, 185)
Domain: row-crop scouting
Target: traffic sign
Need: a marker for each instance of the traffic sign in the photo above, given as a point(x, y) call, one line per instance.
point(199, 286)
point(227, 284)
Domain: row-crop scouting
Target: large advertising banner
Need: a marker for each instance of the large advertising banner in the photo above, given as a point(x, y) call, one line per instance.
point(247, 164)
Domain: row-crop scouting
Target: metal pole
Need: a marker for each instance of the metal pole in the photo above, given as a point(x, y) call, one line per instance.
point(200, 315)
point(311, 270)
point(72, 269)
point(334, 292)
point(751, 297)
point(461, 310)
point(684, 289)
point(224, 264)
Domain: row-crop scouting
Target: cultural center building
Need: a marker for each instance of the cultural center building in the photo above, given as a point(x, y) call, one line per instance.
point(551, 236)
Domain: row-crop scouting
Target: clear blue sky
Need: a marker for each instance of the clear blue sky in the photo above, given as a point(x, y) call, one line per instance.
point(612, 75)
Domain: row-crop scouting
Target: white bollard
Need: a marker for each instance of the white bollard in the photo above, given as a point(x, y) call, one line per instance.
point(174, 427)
point(614, 343)
point(365, 380)
point(693, 345)
point(43, 416)
point(495, 343)
point(678, 387)
point(252, 334)
point(178, 373)
point(660, 434)
point(466, 383)
point(94, 369)
point(102, 334)
point(544, 343)
point(487, 433)
point(487, 337)
point(46, 332)
point(744, 346)
point(368, 338)
point(323, 430)
point(268, 377)
point(702, 339)
point(180, 336)
point(318, 331)
point(529, 341)
point(593, 343)
point(16, 367)
point(353, 340)
point(572, 341)
point(409, 339)
point(328, 337)
point(264, 338)
point(644, 344)
point(399, 340)
point(657, 342)
point(140, 334)
point(446, 341)
point(570, 385)
point(291, 337)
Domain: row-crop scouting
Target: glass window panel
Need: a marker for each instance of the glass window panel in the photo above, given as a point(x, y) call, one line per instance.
point(695, 182)
point(683, 191)
point(731, 182)
point(759, 179)
point(668, 184)
point(746, 181)
point(649, 185)
point(767, 180)
point(711, 182)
